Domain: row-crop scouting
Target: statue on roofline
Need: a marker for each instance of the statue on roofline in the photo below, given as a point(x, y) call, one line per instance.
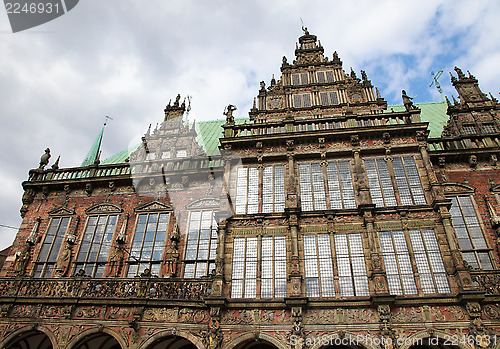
point(407, 101)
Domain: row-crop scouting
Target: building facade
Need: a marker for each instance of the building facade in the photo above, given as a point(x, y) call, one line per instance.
point(324, 219)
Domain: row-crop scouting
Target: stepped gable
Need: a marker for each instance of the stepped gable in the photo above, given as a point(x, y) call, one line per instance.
point(313, 86)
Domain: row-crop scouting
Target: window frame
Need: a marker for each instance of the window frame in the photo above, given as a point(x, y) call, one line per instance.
point(96, 264)
point(335, 173)
point(211, 252)
point(255, 201)
point(47, 267)
point(151, 263)
point(396, 186)
point(474, 251)
point(318, 281)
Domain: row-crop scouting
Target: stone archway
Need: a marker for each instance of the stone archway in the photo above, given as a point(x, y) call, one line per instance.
point(97, 341)
point(33, 339)
point(255, 344)
point(171, 342)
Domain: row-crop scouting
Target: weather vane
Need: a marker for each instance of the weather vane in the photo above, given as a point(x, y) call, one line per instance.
point(435, 81)
point(106, 119)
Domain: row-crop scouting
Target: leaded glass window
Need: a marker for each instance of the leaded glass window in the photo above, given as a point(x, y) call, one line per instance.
point(44, 265)
point(247, 190)
point(429, 262)
point(408, 181)
point(489, 128)
point(470, 236)
point(148, 244)
point(325, 76)
point(201, 245)
point(312, 188)
point(406, 178)
point(469, 129)
point(351, 265)
point(244, 276)
point(397, 263)
point(300, 79)
point(340, 185)
point(96, 242)
point(273, 276)
point(338, 180)
point(273, 189)
point(380, 182)
point(318, 266)
point(302, 100)
point(329, 98)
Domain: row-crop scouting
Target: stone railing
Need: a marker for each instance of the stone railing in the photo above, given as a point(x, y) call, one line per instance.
point(82, 287)
point(327, 123)
point(488, 281)
point(78, 173)
point(463, 142)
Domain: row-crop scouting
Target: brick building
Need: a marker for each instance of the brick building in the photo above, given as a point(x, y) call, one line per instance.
point(325, 219)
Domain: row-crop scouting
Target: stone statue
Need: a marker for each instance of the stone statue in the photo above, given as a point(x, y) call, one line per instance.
point(285, 62)
point(229, 114)
point(44, 160)
point(22, 260)
point(177, 99)
point(304, 29)
point(262, 86)
point(407, 101)
point(63, 261)
point(116, 262)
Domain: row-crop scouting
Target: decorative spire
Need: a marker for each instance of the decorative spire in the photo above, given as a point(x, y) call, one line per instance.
point(56, 164)
point(447, 101)
point(95, 150)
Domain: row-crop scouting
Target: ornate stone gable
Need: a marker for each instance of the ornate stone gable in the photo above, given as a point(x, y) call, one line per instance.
point(153, 206)
point(104, 208)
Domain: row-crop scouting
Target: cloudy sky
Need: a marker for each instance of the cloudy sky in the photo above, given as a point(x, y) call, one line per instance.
point(127, 58)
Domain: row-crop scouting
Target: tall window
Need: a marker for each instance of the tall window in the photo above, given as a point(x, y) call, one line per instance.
point(95, 245)
point(406, 178)
point(312, 188)
point(325, 76)
point(302, 100)
point(328, 98)
point(300, 79)
point(429, 261)
point(44, 265)
point(318, 266)
point(201, 244)
point(397, 263)
point(148, 243)
point(469, 234)
point(351, 265)
point(244, 278)
point(273, 189)
point(247, 190)
point(338, 180)
point(340, 187)
point(273, 281)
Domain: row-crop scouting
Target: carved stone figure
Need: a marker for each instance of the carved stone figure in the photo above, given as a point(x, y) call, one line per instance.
point(229, 114)
point(44, 160)
point(63, 261)
point(116, 261)
point(22, 260)
point(407, 101)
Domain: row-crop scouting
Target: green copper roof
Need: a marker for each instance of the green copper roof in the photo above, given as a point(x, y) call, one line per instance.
point(433, 112)
point(94, 150)
point(209, 132)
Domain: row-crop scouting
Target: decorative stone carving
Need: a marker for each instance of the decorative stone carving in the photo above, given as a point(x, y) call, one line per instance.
point(22, 259)
point(44, 159)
